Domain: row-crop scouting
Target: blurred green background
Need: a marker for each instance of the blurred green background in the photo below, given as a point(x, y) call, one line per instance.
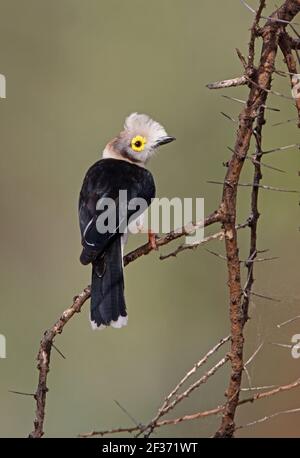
point(74, 70)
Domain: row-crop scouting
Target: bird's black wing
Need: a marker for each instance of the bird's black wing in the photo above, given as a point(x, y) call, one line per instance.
point(104, 180)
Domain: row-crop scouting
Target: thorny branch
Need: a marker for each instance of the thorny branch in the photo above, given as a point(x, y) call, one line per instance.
point(251, 121)
point(253, 112)
point(202, 414)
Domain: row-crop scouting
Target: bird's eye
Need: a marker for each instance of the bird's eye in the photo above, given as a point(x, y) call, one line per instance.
point(138, 143)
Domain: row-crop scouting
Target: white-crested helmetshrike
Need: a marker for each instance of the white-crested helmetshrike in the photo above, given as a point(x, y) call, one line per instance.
point(121, 169)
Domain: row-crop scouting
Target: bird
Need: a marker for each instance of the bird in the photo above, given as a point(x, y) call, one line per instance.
point(122, 168)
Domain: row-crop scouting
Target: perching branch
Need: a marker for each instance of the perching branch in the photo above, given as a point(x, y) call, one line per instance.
point(174, 235)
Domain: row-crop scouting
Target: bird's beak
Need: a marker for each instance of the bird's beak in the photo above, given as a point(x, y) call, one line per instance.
point(164, 141)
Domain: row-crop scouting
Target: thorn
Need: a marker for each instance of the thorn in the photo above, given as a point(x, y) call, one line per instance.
point(216, 254)
point(291, 320)
point(280, 345)
point(228, 117)
point(282, 148)
point(244, 102)
point(284, 122)
point(255, 185)
point(21, 393)
point(285, 72)
point(58, 351)
point(262, 296)
point(234, 99)
point(294, 30)
point(249, 7)
point(280, 73)
point(254, 354)
point(264, 165)
point(241, 57)
point(260, 260)
point(135, 422)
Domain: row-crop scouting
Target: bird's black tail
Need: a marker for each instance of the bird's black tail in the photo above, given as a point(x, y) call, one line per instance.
point(107, 290)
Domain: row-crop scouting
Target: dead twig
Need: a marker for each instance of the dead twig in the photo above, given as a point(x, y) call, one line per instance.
point(203, 414)
point(234, 82)
point(268, 417)
point(291, 320)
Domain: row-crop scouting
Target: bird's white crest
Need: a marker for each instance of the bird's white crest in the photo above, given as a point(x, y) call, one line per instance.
point(142, 124)
point(138, 127)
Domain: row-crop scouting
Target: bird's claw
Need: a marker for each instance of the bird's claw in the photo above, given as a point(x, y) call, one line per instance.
point(152, 240)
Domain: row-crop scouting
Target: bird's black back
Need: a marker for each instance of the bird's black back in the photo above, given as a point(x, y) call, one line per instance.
point(105, 179)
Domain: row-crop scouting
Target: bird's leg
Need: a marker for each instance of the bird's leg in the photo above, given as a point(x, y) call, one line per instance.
point(137, 227)
point(152, 239)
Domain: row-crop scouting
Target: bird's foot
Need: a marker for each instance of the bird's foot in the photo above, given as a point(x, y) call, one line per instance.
point(152, 240)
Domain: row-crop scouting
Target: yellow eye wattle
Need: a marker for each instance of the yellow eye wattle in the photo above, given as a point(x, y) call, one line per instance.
point(138, 143)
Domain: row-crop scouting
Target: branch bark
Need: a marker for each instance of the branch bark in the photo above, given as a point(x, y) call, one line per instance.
point(285, 44)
